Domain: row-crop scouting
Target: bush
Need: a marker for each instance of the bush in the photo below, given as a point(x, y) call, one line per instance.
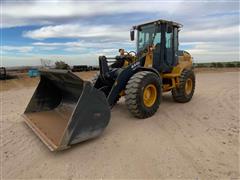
point(230, 64)
point(200, 65)
point(237, 64)
point(220, 65)
point(61, 65)
point(213, 65)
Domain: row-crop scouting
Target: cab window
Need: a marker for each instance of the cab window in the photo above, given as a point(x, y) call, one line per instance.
point(168, 36)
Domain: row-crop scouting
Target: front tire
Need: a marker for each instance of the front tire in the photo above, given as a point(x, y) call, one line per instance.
point(143, 94)
point(186, 87)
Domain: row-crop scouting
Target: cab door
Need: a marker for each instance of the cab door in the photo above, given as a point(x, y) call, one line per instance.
point(171, 47)
point(166, 47)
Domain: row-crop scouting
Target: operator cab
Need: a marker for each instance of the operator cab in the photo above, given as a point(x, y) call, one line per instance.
point(163, 37)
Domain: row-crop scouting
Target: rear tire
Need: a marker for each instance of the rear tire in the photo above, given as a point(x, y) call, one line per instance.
point(186, 88)
point(138, 86)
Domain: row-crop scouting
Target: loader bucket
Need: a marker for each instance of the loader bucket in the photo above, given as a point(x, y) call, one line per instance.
point(65, 110)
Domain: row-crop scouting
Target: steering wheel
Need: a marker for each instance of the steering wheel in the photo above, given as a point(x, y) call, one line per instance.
point(130, 53)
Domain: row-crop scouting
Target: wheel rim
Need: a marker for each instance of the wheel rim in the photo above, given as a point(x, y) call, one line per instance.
point(188, 86)
point(149, 95)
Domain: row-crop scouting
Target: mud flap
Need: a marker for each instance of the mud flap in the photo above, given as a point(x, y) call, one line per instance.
point(65, 110)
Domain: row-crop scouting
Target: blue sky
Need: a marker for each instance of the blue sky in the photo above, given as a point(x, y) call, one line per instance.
point(77, 32)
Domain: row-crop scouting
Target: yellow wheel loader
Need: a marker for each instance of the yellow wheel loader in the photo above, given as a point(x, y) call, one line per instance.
point(66, 110)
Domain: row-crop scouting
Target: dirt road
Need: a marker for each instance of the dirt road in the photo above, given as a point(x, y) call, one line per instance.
point(199, 139)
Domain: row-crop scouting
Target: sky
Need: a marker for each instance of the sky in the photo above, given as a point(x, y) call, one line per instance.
point(77, 32)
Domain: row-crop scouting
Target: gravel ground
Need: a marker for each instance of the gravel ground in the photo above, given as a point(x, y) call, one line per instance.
point(199, 139)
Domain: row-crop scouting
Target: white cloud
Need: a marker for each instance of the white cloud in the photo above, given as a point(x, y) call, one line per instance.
point(20, 13)
point(222, 34)
point(21, 49)
point(82, 45)
point(35, 59)
point(40, 12)
point(75, 31)
point(212, 51)
point(47, 48)
point(211, 29)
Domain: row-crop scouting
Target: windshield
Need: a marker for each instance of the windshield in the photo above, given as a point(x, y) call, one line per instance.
point(147, 35)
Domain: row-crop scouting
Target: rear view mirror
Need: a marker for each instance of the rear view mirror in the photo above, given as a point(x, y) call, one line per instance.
point(132, 34)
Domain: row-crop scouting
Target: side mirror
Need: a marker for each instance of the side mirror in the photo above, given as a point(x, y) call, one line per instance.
point(132, 34)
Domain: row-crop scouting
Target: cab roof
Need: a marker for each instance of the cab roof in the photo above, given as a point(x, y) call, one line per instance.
point(159, 22)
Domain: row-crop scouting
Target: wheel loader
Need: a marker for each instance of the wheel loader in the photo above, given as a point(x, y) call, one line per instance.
point(65, 110)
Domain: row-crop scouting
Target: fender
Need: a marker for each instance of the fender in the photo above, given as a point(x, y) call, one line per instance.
point(149, 69)
point(123, 78)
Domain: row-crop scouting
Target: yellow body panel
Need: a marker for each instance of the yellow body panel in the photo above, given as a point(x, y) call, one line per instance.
point(184, 62)
point(148, 60)
point(126, 63)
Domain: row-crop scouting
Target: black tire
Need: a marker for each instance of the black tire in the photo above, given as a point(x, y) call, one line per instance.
point(134, 94)
point(179, 94)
